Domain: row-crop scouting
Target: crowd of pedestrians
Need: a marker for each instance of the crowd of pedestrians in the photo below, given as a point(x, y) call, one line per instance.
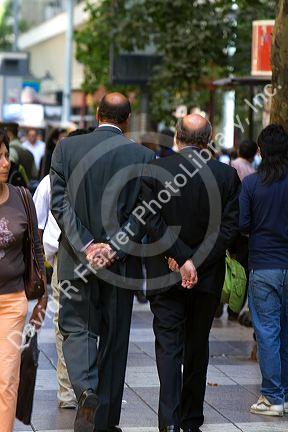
point(105, 211)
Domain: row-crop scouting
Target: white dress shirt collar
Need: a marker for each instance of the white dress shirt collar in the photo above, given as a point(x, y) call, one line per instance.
point(109, 125)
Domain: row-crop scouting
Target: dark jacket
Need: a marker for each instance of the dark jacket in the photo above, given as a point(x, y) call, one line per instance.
point(26, 159)
point(264, 216)
point(205, 210)
point(96, 180)
point(16, 177)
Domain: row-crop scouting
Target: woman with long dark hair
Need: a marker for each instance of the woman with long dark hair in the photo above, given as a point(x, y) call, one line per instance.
point(264, 216)
point(13, 302)
point(54, 137)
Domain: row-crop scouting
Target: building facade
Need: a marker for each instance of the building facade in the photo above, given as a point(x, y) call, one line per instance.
point(45, 42)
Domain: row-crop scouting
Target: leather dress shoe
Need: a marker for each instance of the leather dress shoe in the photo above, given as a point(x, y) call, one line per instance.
point(87, 406)
point(171, 428)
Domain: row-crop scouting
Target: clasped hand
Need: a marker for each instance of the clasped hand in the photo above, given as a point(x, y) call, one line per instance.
point(188, 272)
point(100, 255)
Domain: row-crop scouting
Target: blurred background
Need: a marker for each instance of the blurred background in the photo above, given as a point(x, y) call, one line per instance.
point(59, 57)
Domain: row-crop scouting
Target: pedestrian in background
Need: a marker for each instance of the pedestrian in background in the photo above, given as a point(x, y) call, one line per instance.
point(243, 165)
point(35, 146)
point(151, 141)
point(246, 154)
point(264, 216)
point(18, 154)
point(166, 142)
point(13, 302)
point(50, 233)
point(54, 137)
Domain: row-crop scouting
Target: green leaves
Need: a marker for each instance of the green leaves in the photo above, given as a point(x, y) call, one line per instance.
point(194, 37)
point(6, 26)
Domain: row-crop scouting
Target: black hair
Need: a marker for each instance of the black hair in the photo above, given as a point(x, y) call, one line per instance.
point(13, 128)
point(167, 131)
point(247, 149)
point(232, 153)
point(273, 143)
point(115, 113)
point(4, 138)
point(78, 132)
point(53, 138)
point(199, 137)
point(166, 138)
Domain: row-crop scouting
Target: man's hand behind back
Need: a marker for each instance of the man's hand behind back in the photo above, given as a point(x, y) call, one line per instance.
point(188, 272)
point(100, 255)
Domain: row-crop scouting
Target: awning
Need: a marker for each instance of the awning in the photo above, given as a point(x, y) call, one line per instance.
point(242, 81)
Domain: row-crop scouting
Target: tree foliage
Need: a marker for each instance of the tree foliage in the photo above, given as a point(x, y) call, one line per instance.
point(196, 39)
point(93, 45)
point(6, 26)
point(247, 12)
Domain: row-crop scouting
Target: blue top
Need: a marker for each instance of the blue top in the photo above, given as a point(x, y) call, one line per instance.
point(264, 216)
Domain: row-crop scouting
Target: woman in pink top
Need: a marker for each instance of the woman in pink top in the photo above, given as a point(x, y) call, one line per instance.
point(243, 164)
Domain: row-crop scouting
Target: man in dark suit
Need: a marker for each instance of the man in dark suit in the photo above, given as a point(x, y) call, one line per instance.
point(96, 179)
point(204, 205)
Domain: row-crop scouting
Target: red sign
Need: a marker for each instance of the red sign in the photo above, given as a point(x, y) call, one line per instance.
point(261, 47)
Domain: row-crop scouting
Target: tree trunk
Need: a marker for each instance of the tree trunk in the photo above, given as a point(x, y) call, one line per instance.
point(279, 110)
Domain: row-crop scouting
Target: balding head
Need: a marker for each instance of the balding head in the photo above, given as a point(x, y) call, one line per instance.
point(114, 108)
point(193, 129)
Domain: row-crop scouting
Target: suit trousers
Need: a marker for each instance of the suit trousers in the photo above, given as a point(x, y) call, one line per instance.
point(65, 393)
point(182, 323)
point(94, 319)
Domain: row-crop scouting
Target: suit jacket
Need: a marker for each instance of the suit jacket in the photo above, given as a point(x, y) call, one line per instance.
point(95, 183)
point(205, 210)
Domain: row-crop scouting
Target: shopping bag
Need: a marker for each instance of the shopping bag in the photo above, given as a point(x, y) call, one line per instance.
point(234, 288)
point(28, 371)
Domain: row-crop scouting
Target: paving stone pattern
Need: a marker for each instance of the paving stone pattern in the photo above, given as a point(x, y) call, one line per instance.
point(232, 384)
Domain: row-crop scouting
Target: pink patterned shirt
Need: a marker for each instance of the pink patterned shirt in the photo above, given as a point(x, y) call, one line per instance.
point(243, 167)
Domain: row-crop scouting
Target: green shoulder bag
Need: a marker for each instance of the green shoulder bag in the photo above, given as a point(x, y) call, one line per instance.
point(234, 288)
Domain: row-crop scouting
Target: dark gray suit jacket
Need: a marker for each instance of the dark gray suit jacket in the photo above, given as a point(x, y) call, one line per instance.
point(96, 180)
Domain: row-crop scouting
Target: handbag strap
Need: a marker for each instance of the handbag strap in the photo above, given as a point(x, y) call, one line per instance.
point(28, 211)
point(26, 203)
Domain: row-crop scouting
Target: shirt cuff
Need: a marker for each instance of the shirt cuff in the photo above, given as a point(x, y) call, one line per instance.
point(87, 245)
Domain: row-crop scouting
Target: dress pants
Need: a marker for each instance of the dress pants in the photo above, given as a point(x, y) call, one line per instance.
point(65, 394)
point(13, 310)
point(182, 323)
point(95, 323)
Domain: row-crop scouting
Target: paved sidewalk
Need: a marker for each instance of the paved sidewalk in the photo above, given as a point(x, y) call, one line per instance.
point(233, 383)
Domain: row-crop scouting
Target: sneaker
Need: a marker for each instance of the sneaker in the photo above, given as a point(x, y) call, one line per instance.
point(285, 407)
point(264, 407)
